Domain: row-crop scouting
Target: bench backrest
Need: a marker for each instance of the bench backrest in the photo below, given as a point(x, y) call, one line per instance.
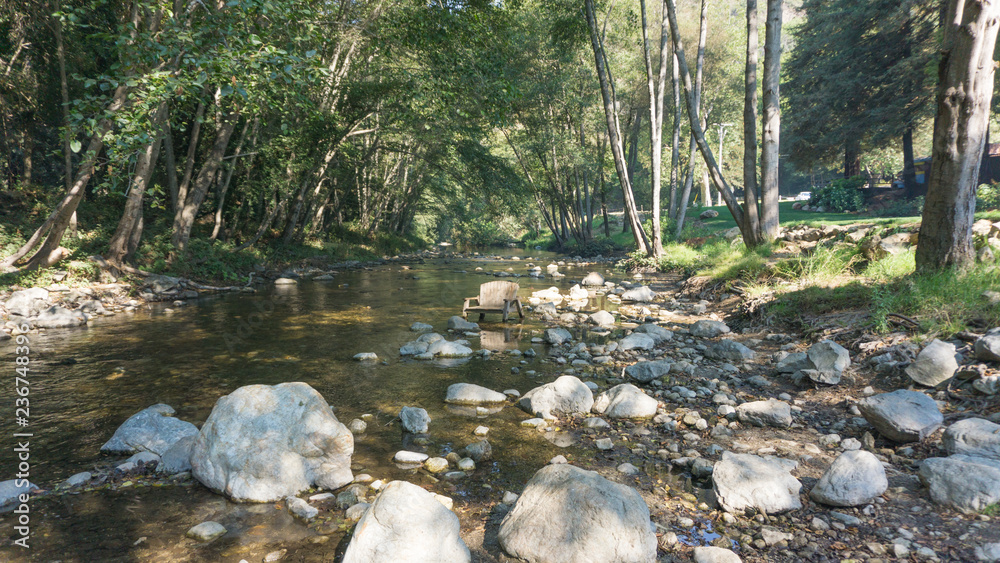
point(492, 294)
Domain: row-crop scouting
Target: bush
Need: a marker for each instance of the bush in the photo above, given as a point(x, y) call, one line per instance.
point(840, 196)
point(902, 208)
point(988, 197)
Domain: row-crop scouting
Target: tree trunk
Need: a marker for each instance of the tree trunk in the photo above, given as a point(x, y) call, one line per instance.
point(699, 72)
point(965, 91)
point(182, 189)
point(614, 133)
point(909, 169)
point(64, 95)
point(985, 175)
point(675, 140)
point(656, 86)
point(750, 119)
point(171, 165)
point(769, 195)
point(852, 158)
point(229, 175)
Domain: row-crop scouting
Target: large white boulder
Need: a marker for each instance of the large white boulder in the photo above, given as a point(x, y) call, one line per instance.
point(472, 394)
point(263, 443)
point(744, 481)
point(566, 395)
point(407, 524)
point(27, 302)
point(625, 401)
point(153, 429)
point(568, 515)
point(854, 478)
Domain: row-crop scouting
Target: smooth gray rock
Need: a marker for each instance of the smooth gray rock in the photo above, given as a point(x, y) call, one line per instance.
point(708, 329)
point(206, 531)
point(10, 491)
point(60, 317)
point(420, 327)
point(966, 483)
point(301, 508)
point(712, 554)
point(93, 307)
point(78, 479)
point(771, 412)
point(458, 323)
point(973, 436)
point(414, 419)
point(641, 294)
point(648, 371)
point(178, 457)
point(988, 552)
point(153, 429)
point(934, 365)
point(366, 357)
point(557, 336)
point(27, 302)
point(636, 341)
point(471, 394)
point(406, 524)
point(570, 515)
point(625, 401)
point(987, 348)
point(742, 481)
point(729, 351)
point(479, 451)
point(263, 443)
point(593, 278)
point(989, 385)
point(902, 416)
point(708, 214)
point(827, 355)
point(602, 318)
point(824, 377)
point(656, 332)
point(565, 395)
point(452, 349)
point(855, 478)
point(796, 361)
point(413, 348)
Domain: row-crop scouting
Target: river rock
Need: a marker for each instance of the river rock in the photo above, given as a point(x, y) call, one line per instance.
point(285, 281)
point(153, 429)
point(479, 451)
point(470, 394)
point(855, 478)
point(966, 483)
point(408, 457)
point(729, 351)
point(708, 329)
point(557, 336)
point(60, 317)
point(648, 371)
point(988, 385)
point(413, 348)
point(565, 395)
point(796, 361)
point(602, 318)
point(76, 480)
point(593, 278)
point(12, 489)
point(934, 365)
point(415, 419)
point(973, 436)
point(458, 323)
point(301, 508)
point(636, 341)
point(988, 552)
point(420, 327)
point(902, 416)
point(625, 401)
point(642, 294)
point(406, 524)
point(987, 347)
point(827, 355)
point(449, 349)
point(567, 515)
point(656, 332)
point(262, 443)
point(771, 412)
point(206, 531)
point(742, 481)
point(577, 293)
point(366, 357)
point(712, 554)
point(178, 457)
point(27, 302)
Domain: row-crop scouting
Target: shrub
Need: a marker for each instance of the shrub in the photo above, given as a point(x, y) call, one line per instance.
point(841, 195)
point(988, 197)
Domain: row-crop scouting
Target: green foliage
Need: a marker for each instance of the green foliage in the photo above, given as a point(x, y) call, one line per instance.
point(988, 197)
point(841, 195)
point(902, 208)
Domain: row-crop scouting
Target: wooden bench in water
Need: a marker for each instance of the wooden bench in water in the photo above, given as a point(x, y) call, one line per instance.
point(494, 297)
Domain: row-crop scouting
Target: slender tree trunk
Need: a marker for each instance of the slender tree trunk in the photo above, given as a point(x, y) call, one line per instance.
point(852, 158)
point(965, 90)
point(675, 140)
point(699, 72)
point(750, 120)
point(909, 169)
point(614, 133)
point(182, 189)
point(656, 86)
point(770, 194)
point(67, 134)
point(171, 165)
point(985, 177)
point(230, 170)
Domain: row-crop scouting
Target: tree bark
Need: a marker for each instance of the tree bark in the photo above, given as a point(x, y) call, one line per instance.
point(669, 5)
point(772, 123)
point(909, 169)
point(182, 189)
point(965, 91)
point(852, 158)
point(675, 141)
point(656, 86)
point(750, 119)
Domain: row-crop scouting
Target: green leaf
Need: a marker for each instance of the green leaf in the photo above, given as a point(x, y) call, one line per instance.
point(75, 146)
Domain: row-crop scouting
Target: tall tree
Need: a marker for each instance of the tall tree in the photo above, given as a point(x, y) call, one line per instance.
point(964, 94)
point(657, 87)
point(772, 122)
point(750, 118)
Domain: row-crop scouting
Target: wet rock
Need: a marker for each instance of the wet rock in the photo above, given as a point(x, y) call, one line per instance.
point(567, 514)
point(625, 401)
point(11, 490)
point(262, 443)
point(470, 394)
point(177, 458)
point(413, 348)
point(854, 478)
point(77, 480)
point(366, 357)
point(642, 294)
point(973, 436)
point(827, 355)
point(729, 351)
point(153, 429)
point(711, 554)
point(301, 509)
point(636, 341)
point(285, 281)
point(648, 371)
point(406, 523)
point(446, 349)
point(987, 347)
point(27, 302)
point(771, 412)
point(357, 426)
point(593, 278)
point(966, 483)
point(415, 419)
point(407, 457)
point(902, 416)
point(479, 451)
point(566, 395)
point(420, 327)
point(458, 323)
point(602, 318)
point(60, 317)
point(742, 481)
point(557, 336)
point(934, 365)
point(708, 329)
point(206, 531)
point(656, 332)
point(436, 464)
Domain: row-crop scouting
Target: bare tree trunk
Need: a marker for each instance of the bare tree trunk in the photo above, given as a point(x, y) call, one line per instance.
point(229, 177)
point(909, 169)
point(656, 86)
point(675, 142)
point(699, 72)
point(769, 191)
point(614, 133)
point(64, 95)
point(171, 165)
point(965, 91)
point(182, 189)
point(852, 158)
point(750, 119)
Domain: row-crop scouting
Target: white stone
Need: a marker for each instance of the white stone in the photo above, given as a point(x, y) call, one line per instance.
point(565, 395)
point(934, 365)
point(625, 401)
point(854, 478)
point(470, 394)
point(973, 436)
point(744, 481)
point(414, 419)
point(902, 416)
point(153, 429)
point(206, 531)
